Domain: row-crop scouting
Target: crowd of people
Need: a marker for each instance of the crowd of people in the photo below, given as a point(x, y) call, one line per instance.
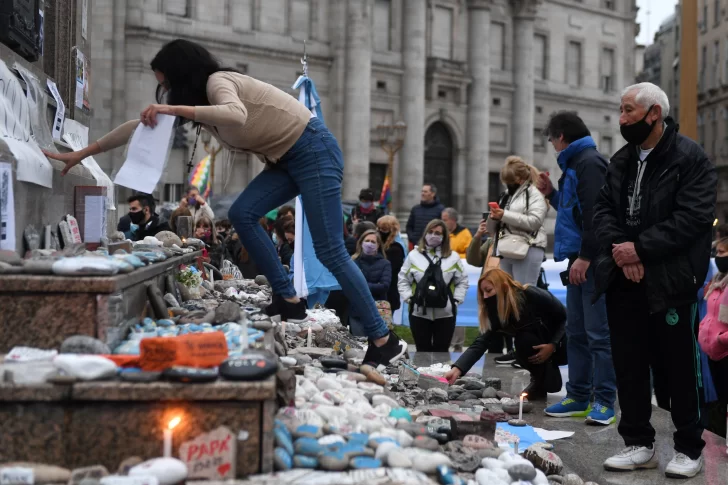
point(635, 229)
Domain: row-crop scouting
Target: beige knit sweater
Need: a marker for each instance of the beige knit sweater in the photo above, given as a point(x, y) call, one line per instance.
point(244, 114)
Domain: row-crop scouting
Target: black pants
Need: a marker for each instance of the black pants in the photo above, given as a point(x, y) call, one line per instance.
point(524, 342)
point(432, 335)
point(665, 342)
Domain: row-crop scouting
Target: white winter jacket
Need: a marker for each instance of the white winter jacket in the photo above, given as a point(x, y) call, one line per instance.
point(525, 222)
point(453, 273)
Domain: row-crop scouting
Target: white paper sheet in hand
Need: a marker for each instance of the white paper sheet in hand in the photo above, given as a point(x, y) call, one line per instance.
point(147, 155)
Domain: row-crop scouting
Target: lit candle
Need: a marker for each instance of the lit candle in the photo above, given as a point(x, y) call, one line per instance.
point(168, 436)
point(520, 406)
point(308, 344)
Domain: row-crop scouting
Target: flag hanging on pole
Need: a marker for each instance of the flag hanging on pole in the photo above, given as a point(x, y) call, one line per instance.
point(386, 198)
point(200, 177)
point(310, 278)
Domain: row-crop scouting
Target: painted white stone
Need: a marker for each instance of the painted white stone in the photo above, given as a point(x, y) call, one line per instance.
point(167, 471)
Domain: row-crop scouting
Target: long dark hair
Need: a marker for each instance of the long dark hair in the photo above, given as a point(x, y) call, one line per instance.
point(186, 67)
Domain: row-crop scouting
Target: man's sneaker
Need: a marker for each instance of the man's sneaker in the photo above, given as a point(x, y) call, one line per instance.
point(632, 458)
point(508, 358)
point(682, 466)
point(276, 306)
point(294, 312)
point(568, 407)
point(600, 414)
point(388, 353)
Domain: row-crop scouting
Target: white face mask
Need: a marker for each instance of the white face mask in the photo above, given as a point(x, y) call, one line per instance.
point(559, 153)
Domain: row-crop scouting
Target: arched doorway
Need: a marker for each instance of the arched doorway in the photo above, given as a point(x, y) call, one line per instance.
point(438, 161)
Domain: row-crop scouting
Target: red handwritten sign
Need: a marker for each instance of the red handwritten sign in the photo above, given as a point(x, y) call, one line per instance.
point(210, 455)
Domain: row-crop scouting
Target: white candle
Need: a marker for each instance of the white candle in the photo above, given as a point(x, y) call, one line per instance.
point(244, 337)
point(283, 328)
point(520, 407)
point(167, 443)
point(308, 344)
point(515, 446)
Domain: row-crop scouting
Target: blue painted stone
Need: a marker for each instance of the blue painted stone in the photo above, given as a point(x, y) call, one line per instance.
point(400, 413)
point(361, 462)
point(448, 477)
point(300, 461)
point(308, 447)
point(359, 438)
point(165, 322)
point(308, 431)
point(282, 459)
point(283, 440)
point(351, 450)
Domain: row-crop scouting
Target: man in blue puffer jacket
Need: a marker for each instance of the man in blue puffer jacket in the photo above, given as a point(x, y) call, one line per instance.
point(588, 342)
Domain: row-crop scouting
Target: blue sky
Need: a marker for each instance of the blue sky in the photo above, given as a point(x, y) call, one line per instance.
point(659, 11)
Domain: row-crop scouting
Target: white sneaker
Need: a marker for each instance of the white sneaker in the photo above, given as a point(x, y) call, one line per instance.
point(681, 466)
point(632, 458)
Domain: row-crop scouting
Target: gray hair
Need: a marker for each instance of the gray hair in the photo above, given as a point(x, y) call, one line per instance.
point(648, 94)
point(451, 213)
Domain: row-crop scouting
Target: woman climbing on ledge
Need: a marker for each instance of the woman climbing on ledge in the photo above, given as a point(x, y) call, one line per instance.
point(303, 158)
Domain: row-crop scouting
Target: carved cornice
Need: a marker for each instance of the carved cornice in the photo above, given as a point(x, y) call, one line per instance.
point(525, 8)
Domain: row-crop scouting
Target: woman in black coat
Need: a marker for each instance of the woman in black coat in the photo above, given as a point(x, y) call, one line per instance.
point(536, 320)
point(369, 257)
point(388, 227)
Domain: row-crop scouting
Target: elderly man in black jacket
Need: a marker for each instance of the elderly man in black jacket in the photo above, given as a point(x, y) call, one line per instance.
point(428, 209)
point(654, 219)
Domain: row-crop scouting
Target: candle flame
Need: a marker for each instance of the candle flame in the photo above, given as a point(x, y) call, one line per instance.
point(174, 422)
point(524, 394)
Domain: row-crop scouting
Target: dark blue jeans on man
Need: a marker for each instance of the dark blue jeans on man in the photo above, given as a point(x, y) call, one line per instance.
point(588, 346)
point(313, 168)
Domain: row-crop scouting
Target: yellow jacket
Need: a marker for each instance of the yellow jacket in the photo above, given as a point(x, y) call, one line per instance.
point(460, 240)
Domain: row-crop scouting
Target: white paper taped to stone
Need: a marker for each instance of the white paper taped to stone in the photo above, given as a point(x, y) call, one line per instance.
point(32, 165)
point(80, 81)
point(94, 222)
point(37, 101)
point(147, 155)
point(7, 208)
point(76, 135)
point(60, 111)
point(16, 476)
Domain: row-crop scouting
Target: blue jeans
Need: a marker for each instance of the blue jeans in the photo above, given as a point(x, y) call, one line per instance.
point(313, 168)
point(588, 346)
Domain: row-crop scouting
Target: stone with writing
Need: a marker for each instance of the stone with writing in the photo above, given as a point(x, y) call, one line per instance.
point(210, 456)
point(251, 365)
point(546, 461)
point(94, 473)
point(477, 442)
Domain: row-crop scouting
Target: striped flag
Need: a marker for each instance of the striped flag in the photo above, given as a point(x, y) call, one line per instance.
point(386, 198)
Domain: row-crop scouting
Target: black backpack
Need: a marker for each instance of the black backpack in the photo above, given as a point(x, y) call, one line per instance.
point(432, 291)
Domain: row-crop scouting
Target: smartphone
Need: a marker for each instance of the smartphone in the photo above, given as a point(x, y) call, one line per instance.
point(486, 215)
point(564, 277)
point(493, 205)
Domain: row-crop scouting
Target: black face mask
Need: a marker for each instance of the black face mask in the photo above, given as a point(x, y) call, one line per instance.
point(491, 304)
point(637, 133)
point(136, 217)
point(512, 188)
point(383, 235)
point(722, 263)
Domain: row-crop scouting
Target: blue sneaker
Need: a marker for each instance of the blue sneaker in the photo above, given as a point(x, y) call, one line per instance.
point(568, 407)
point(601, 414)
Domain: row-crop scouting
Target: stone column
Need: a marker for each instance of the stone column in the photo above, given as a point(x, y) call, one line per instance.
point(524, 15)
point(358, 97)
point(478, 127)
point(410, 166)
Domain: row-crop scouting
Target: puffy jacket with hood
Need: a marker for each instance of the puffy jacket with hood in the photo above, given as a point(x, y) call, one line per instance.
point(520, 220)
point(453, 273)
point(583, 169)
point(713, 334)
point(420, 216)
point(677, 211)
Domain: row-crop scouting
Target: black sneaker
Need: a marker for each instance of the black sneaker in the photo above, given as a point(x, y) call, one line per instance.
point(508, 358)
point(275, 308)
point(388, 353)
point(535, 391)
point(294, 312)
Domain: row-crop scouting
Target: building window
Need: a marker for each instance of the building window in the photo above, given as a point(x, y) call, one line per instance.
point(539, 141)
point(606, 145)
point(442, 32)
point(179, 8)
point(382, 25)
point(241, 15)
point(701, 131)
point(607, 70)
point(173, 192)
point(300, 19)
point(382, 86)
point(497, 45)
point(540, 56)
point(704, 23)
point(716, 13)
point(377, 173)
point(703, 62)
point(716, 63)
point(573, 64)
point(609, 4)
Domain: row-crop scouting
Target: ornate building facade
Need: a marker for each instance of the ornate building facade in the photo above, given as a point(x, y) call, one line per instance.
point(474, 80)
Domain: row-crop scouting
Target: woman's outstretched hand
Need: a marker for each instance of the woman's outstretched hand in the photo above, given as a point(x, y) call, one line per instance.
point(71, 159)
point(453, 375)
point(148, 117)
